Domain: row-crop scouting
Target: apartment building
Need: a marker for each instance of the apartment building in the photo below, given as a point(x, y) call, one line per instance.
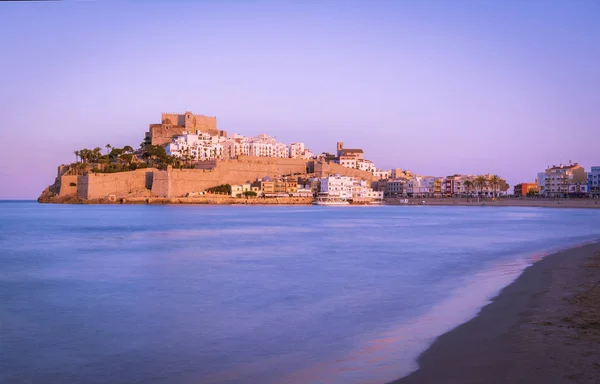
point(558, 179)
point(337, 186)
point(594, 182)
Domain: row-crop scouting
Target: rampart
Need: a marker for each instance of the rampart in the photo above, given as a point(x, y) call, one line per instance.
point(324, 169)
point(68, 185)
point(175, 124)
point(178, 182)
point(100, 185)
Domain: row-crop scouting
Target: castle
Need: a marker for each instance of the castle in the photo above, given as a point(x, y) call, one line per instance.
point(176, 124)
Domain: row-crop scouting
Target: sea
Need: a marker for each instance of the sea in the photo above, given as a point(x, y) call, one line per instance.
point(253, 294)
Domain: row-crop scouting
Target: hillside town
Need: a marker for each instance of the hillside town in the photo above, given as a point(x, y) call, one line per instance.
point(263, 167)
point(556, 181)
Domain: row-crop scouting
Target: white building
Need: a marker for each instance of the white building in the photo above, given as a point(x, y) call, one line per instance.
point(578, 189)
point(381, 174)
point(420, 186)
point(197, 146)
point(345, 188)
point(365, 165)
point(296, 150)
point(337, 186)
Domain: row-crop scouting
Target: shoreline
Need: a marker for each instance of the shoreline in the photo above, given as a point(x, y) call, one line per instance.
point(227, 200)
point(544, 327)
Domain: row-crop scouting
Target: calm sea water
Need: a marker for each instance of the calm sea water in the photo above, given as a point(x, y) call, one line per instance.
point(237, 294)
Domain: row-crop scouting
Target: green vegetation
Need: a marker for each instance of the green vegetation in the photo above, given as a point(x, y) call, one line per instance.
point(126, 159)
point(480, 183)
point(468, 184)
point(250, 193)
point(223, 188)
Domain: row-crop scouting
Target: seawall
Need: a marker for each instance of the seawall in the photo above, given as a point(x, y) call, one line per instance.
point(172, 183)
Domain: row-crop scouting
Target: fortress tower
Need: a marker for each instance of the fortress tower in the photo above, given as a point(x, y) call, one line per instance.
point(175, 124)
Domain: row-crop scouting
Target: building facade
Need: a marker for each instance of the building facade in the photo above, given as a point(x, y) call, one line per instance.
point(594, 182)
point(337, 186)
point(558, 179)
point(522, 189)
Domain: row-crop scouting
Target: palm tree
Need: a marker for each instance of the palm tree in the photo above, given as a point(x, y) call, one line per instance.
point(468, 184)
point(76, 153)
point(480, 182)
point(128, 149)
point(96, 153)
point(108, 147)
point(494, 182)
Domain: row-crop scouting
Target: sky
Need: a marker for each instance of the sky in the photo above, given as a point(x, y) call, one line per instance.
point(438, 87)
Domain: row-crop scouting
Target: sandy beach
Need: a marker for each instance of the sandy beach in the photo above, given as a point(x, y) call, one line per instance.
point(502, 202)
point(543, 328)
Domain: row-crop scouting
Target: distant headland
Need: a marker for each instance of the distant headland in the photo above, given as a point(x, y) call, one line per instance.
point(187, 159)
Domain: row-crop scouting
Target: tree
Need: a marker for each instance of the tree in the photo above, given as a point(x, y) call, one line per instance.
point(128, 149)
point(96, 153)
point(76, 153)
point(468, 184)
point(223, 188)
point(494, 182)
point(127, 157)
point(108, 147)
point(480, 182)
point(249, 193)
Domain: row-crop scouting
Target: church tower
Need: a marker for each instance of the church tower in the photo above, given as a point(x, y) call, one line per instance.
point(340, 146)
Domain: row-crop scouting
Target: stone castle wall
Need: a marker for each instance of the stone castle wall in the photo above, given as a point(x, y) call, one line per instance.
point(323, 169)
point(101, 185)
point(178, 182)
point(175, 124)
point(163, 134)
point(191, 122)
point(66, 189)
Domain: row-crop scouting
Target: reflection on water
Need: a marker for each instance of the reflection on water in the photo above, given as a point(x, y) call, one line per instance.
point(137, 294)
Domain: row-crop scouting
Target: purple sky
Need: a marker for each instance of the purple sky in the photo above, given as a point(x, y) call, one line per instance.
point(438, 87)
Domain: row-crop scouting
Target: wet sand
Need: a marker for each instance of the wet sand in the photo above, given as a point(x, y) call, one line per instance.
point(543, 328)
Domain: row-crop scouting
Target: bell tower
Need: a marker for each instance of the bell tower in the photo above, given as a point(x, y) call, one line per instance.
point(340, 146)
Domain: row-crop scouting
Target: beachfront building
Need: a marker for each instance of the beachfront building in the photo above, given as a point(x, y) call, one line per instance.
point(337, 186)
point(197, 146)
point(454, 185)
point(313, 184)
point(362, 191)
point(523, 189)
point(396, 187)
point(420, 186)
point(578, 189)
point(239, 190)
point(558, 179)
point(277, 188)
point(541, 182)
point(594, 182)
